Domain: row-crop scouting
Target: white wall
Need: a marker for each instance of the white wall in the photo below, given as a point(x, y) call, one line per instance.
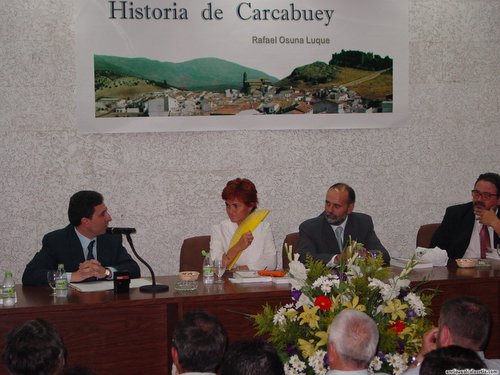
point(168, 185)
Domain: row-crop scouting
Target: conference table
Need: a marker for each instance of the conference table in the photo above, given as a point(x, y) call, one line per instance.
point(130, 333)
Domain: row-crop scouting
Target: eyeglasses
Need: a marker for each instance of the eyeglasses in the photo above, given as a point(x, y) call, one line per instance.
point(476, 194)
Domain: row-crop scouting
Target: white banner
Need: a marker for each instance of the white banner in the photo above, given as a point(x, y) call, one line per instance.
point(156, 65)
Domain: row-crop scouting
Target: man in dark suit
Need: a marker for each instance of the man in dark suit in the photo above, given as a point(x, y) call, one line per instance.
point(459, 233)
point(84, 248)
point(325, 236)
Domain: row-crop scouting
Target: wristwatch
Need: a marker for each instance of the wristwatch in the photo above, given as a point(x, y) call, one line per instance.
point(107, 273)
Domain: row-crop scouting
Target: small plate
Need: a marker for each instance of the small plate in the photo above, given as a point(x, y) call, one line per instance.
point(467, 262)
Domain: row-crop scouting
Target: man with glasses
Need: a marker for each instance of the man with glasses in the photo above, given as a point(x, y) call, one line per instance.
point(471, 230)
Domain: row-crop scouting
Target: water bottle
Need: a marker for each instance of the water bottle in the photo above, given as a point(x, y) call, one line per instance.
point(8, 290)
point(61, 281)
point(208, 270)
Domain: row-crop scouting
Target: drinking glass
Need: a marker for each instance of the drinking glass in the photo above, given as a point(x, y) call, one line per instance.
point(51, 279)
point(220, 268)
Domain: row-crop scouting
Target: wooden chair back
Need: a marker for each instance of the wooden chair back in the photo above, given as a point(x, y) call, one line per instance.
point(191, 258)
point(425, 233)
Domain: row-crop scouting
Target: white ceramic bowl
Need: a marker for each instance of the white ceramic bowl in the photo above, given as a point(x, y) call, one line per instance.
point(467, 262)
point(189, 275)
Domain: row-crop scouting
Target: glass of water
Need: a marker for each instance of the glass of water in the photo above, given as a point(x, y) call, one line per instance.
point(220, 268)
point(51, 279)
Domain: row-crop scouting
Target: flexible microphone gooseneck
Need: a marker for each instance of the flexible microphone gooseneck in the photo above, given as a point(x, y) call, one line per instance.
point(153, 288)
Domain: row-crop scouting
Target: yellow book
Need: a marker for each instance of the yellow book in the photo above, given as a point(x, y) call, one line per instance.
point(249, 224)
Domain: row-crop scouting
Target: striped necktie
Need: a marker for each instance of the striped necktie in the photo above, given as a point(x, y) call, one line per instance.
point(340, 239)
point(484, 240)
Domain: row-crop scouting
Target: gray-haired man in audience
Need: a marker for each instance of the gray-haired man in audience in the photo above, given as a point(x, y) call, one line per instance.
point(353, 339)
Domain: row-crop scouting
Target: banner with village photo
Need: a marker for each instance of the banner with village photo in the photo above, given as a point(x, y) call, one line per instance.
point(157, 65)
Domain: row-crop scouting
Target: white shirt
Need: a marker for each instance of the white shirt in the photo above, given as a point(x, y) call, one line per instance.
point(474, 248)
point(259, 255)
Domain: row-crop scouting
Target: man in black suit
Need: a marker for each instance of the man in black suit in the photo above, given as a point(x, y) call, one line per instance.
point(318, 236)
point(459, 233)
point(83, 246)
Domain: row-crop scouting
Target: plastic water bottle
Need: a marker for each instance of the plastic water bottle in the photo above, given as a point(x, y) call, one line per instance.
point(61, 281)
point(208, 270)
point(8, 290)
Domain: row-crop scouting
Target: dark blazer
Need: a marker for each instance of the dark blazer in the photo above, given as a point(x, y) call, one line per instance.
point(455, 231)
point(317, 237)
point(63, 246)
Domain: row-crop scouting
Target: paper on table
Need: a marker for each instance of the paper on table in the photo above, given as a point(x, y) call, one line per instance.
point(244, 280)
point(99, 286)
point(260, 279)
point(402, 262)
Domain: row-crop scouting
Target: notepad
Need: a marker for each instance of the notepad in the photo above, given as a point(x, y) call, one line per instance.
point(100, 286)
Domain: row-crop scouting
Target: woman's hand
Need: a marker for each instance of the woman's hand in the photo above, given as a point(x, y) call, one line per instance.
point(245, 241)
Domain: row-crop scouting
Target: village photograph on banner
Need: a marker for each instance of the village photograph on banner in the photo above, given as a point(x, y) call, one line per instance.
point(161, 65)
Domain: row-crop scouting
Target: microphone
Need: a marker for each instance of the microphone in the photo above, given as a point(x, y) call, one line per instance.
point(153, 288)
point(110, 230)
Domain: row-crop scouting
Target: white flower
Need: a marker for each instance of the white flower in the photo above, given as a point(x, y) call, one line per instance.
point(354, 271)
point(390, 290)
point(325, 284)
point(303, 300)
point(316, 361)
point(375, 364)
point(295, 366)
point(386, 291)
point(416, 304)
point(298, 270)
point(279, 318)
point(397, 362)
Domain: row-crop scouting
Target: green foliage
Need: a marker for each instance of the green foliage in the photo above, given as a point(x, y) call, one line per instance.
point(360, 60)
point(315, 73)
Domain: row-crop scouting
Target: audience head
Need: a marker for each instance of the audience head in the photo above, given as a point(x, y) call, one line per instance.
point(489, 184)
point(353, 339)
point(34, 347)
point(82, 205)
point(241, 199)
point(199, 343)
point(464, 321)
point(251, 357)
point(450, 357)
point(339, 203)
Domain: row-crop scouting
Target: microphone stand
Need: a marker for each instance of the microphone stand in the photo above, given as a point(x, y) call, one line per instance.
point(153, 288)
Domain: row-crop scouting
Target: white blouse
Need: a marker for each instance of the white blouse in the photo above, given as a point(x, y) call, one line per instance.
point(259, 255)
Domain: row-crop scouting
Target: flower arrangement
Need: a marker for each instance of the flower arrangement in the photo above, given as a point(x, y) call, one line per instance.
point(299, 330)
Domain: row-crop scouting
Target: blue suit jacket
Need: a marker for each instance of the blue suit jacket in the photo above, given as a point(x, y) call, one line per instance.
point(63, 246)
point(317, 237)
point(453, 235)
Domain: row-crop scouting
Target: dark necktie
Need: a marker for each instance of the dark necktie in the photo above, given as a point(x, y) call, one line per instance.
point(340, 238)
point(484, 240)
point(90, 248)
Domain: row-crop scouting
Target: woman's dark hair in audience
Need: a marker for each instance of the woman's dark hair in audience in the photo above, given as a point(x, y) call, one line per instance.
point(450, 357)
point(250, 357)
point(34, 347)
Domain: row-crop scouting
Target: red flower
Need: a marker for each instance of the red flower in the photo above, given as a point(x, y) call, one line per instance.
point(323, 303)
point(397, 327)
